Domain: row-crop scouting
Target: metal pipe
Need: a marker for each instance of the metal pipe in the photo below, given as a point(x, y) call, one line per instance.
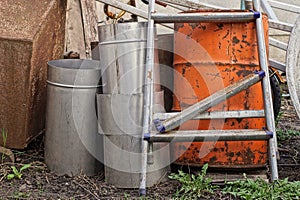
point(150, 156)
point(206, 17)
point(208, 102)
point(210, 135)
point(148, 97)
point(267, 93)
point(242, 6)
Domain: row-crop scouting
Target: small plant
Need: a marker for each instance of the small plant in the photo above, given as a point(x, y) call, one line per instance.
point(17, 173)
point(4, 138)
point(127, 196)
point(20, 195)
point(261, 190)
point(278, 118)
point(193, 186)
point(283, 135)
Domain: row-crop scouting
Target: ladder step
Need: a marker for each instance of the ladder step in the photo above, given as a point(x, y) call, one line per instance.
point(217, 114)
point(208, 102)
point(205, 17)
point(281, 25)
point(209, 135)
point(278, 44)
point(278, 65)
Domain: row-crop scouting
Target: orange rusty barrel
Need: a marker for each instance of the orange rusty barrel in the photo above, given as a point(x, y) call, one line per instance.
point(209, 57)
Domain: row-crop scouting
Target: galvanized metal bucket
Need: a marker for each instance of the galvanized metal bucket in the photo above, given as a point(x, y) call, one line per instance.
point(72, 142)
point(122, 50)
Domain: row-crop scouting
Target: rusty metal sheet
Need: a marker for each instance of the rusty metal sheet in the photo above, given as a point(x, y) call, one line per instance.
point(27, 41)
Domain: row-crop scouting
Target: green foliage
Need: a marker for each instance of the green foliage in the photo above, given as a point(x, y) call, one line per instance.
point(20, 195)
point(17, 173)
point(260, 190)
point(286, 134)
point(193, 186)
point(278, 118)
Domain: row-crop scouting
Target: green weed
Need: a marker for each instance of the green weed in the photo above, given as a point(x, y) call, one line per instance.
point(17, 173)
point(283, 135)
point(193, 186)
point(20, 195)
point(278, 118)
point(259, 189)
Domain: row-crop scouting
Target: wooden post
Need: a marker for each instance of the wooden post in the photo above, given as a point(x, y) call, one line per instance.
point(81, 27)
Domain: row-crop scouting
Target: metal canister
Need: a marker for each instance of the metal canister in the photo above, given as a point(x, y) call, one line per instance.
point(72, 142)
point(122, 49)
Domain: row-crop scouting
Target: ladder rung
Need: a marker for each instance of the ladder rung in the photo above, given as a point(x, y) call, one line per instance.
point(209, 135)
point(278, 44)
point(205, 17)
point(217, 114)
point(278, 65)
point(281, 25)
point(208, 102)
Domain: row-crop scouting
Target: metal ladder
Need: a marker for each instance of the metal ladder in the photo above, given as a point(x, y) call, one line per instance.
point(168, 121)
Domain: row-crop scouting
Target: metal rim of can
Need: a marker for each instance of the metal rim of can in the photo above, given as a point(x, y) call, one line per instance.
point(74, 86)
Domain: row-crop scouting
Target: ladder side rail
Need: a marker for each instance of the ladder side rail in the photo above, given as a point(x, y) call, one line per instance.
point(268, 9)
point(148, 97)
point(267, 93)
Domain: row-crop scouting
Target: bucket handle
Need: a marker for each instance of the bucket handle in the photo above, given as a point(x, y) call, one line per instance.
point(114, 15)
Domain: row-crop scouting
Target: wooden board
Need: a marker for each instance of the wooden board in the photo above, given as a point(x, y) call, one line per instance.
point(81, 27)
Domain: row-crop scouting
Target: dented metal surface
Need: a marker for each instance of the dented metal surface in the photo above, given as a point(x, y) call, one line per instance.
point(27, 41)
point(219, 54)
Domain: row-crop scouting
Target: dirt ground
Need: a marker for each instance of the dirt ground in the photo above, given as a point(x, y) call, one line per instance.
point(38, 182)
